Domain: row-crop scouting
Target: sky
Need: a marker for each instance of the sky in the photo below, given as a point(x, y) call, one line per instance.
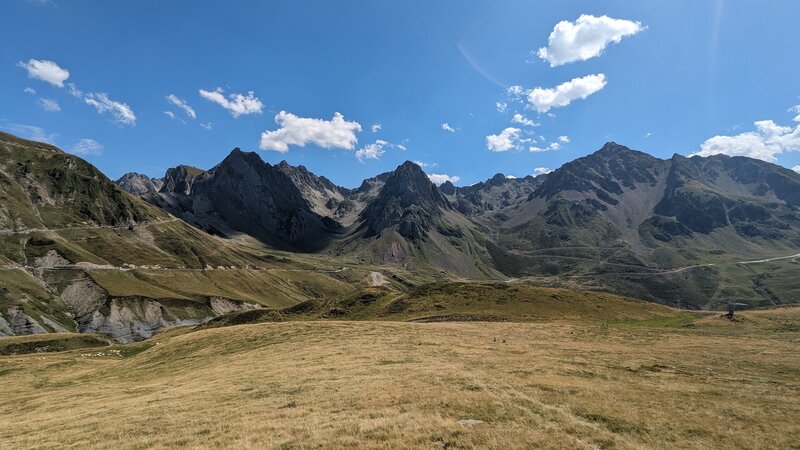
point(353, 89)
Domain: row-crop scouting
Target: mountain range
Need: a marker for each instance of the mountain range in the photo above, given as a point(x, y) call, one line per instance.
point(80, 252)
point(618, 220)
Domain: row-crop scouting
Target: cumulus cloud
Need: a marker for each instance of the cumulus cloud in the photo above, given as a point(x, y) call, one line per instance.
point(501, 107)
point(541, 170)
point(49, 105)
point(554, 146)
point(535, 149)
point(543, 99)
point(796, 169)
point(180, 103)
point(585, 38)
point(563, 139)
point(446, 127)
point(45, 70)
point(371, 151)
point(29, 90)
point(440, 178)
point(508, 139)
point(376, 127)
point(334, 133)
point(524, 121)
point(766, 142)
point(237, 104)
point(86, 147)
point(121, 111)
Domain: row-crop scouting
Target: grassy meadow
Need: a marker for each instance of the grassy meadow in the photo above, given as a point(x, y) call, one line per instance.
point(680, 380)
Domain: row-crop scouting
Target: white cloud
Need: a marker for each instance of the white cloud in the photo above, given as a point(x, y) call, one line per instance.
point(508, 139)
point(541, 170)
point(524, 121)
point(31, 132)
point(446, 127)
point(180, 103)
point(74, 91)
point(585, 38)
point(554, 146)
point(535, 149)
point(511, 177)
point(372, 151)
point(29, 90)
point(376, 127)
point(563, 139)
point(46, 71)
point(49, 105)
point(795, 109)
point(543, 99)
point(517, 92)
point(768, 140)
point(401, 147)
point(86, 147)
point(206, 125)
point(294, 130)
point(237, 104)
point(440, 178)
point(796, 169)
point(121, 111)
point(501, 107)
point(172, 116)
point(424, 164)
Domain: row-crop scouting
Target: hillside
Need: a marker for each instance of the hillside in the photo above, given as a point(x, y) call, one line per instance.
point(399, 385)
point(77, 253)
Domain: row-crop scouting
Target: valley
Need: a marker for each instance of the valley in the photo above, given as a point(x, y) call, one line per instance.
point(659, 378)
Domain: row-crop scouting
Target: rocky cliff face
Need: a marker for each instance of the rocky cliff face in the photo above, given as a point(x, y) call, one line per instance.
point(278, 205)
point(138, 184)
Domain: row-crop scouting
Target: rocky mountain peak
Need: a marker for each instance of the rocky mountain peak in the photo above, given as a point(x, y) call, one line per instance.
point(180, 179)
point(139, 184)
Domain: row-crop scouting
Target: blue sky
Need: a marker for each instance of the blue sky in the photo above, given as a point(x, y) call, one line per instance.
point(681, 73)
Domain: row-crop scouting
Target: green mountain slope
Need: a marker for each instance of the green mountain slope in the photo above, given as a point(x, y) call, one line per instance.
point(77, 253)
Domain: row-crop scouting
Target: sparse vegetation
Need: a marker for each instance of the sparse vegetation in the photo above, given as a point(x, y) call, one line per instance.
point(575, 384)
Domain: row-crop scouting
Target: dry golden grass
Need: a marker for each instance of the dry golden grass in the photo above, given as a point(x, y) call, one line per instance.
point(641, 384)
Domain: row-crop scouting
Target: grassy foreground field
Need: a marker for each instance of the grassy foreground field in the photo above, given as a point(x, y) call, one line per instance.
point(694, 381)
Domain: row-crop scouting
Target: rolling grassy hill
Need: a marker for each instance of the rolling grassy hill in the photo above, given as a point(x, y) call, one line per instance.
point(647, 382)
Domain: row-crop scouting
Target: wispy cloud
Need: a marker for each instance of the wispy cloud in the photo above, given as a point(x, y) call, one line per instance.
point(237, 104)
point(446, 127)
point(31, 132)
point(49, 105)
point(86, 147)
point(180, 103)
point(121, 112)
